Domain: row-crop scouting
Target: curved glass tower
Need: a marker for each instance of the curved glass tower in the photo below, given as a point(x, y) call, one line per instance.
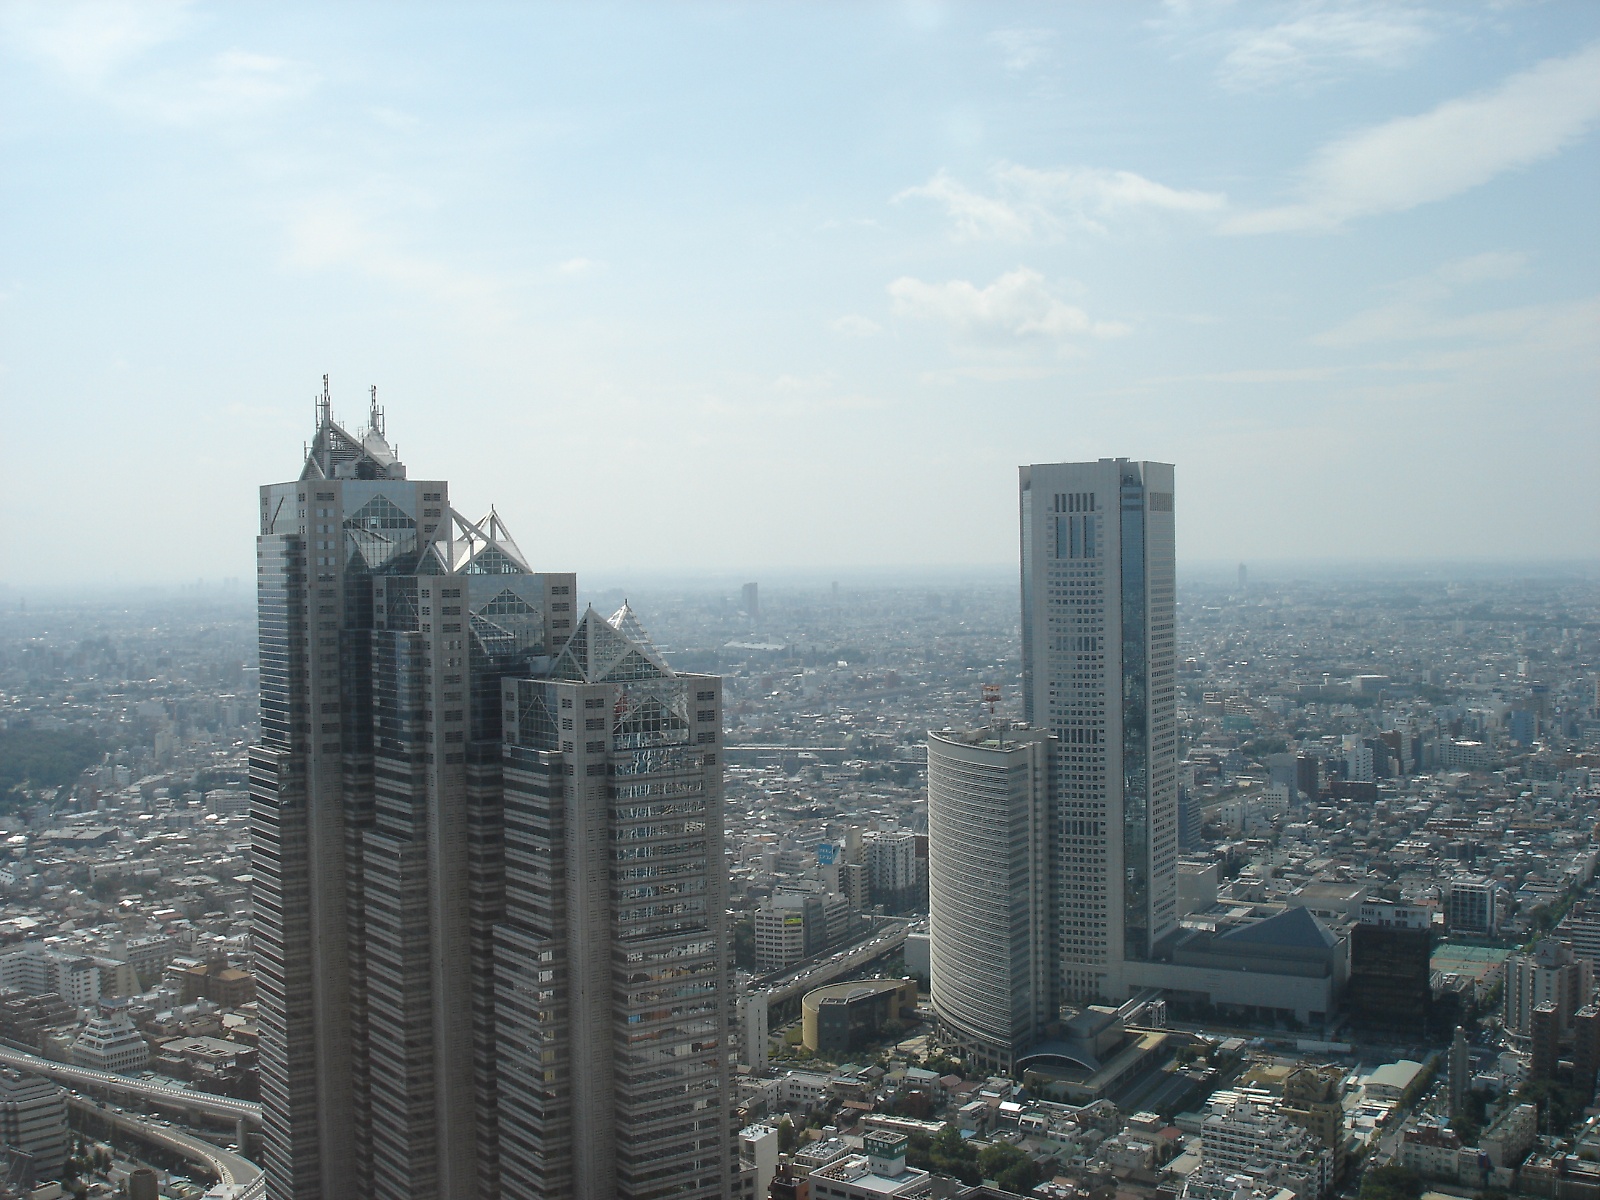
point(988, 890)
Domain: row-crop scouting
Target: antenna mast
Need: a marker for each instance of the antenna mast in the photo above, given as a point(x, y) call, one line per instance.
point(375, 417)
point(991, 697)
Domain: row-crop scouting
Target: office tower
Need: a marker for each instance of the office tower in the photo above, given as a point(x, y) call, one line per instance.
point(989, 891)
point(1390, 984)
point(33, 1127)
point(1470, 905)
point(388, 622)
point(612, 975)
point(1553, 974)
point(1586, 1050)
point(1460, 1072)
point(892, 869)
point(1098, 663)
point(750, 598)
point(1544, 1040)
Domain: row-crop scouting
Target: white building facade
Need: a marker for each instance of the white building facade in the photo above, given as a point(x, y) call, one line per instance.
point(1099, 663)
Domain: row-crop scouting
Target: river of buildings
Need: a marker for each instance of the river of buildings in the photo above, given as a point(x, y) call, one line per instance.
point(1414, 763)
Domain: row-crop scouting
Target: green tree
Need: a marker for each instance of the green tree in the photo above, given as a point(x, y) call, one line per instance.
point(786, 1136)
point(42, 758)
point(950, 1155)
point(1391, 1182)
point(1001, 1160)
point(744, 942)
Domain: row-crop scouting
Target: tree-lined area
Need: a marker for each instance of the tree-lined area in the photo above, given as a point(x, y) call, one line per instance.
point(42, 758)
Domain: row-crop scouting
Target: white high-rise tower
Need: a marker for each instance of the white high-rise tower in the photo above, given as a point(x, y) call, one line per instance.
point(1099, 661)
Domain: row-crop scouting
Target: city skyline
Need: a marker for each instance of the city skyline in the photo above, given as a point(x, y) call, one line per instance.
point(855, 260)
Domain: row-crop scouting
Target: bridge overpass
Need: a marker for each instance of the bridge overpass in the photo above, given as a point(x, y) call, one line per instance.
point(226, 1167)
point(162, 1095)
point(779, 986)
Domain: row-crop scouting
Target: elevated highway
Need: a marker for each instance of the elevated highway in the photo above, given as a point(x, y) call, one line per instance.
point(162, 1095)
point(222, 1165)
point(779, 986)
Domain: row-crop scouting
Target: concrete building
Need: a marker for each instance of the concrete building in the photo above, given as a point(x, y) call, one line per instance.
point(1544, 1040)
point(878, 1173)
point(1313, 1098)
point(33, 1121)
point(1551, 974)
point(405, 895)
point(989, 891)
point(1512, 1134)
point(1470, 906)
point(892, 869)
point(758, 1157)
point(1580, 929)
point(1432, 1152)
point(1251, 1138)
point(1098, 655)
point(1460, 1071)
point(1586, 1049)
point(841, 1018)
point(109, 1042)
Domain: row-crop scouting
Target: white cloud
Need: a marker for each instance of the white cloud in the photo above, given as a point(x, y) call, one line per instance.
point(333, 233)
point(101, 48)
point(575, 268)
point(855, 325)
point(1320, 42)
point(89, 42)
point(1017, 305)
point(1414, 311)
point(1030, 202)
point(1024, 48)
point(1460, 145)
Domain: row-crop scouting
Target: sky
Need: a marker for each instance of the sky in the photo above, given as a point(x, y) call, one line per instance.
point(783, 287)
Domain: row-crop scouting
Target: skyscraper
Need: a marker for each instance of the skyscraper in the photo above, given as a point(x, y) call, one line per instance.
point(400, 882)
point(1098, 663)
point(989, 891)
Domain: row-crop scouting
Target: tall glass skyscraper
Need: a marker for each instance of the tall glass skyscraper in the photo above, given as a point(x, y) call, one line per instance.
point(989, 891)
point(489, 944)
point(1099, 663)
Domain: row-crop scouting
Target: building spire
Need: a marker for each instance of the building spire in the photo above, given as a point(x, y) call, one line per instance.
point(375, 416)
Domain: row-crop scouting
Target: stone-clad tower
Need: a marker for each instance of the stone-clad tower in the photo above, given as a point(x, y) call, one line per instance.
point(1099, 663)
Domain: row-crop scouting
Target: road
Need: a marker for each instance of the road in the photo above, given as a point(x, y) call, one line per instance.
point(126, 1085)
point(226, 1166)
point(780, 986)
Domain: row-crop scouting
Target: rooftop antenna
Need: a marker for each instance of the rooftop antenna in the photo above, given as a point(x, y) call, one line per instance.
point(991, 697)
point(375, 417)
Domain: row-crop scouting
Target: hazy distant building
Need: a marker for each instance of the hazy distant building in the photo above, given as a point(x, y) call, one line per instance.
point(989, 891)
point(1098, 661)
point(403, 888)
point(750, 599)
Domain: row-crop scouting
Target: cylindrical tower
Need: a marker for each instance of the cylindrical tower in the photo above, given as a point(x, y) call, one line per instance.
point(988, 884)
